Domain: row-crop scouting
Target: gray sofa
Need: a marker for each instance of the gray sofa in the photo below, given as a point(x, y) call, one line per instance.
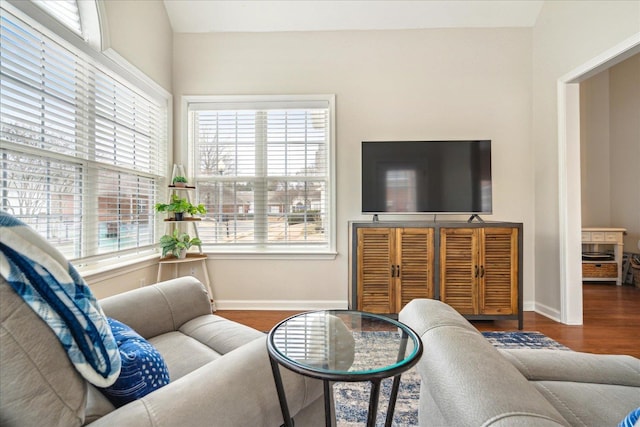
point(465, 381)
point(220, 372)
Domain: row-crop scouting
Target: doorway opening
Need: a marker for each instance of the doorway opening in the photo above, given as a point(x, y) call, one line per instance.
point(569, 174)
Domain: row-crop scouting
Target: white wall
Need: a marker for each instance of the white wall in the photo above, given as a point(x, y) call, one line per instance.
point(594, 151)
point(567, 34)
point(140, 32)
point(417, 84)
point(115, 281)
point(427, 87)
point(610, 150)
point(625, 149)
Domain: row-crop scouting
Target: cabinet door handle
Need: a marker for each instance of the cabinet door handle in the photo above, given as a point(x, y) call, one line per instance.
point(476, 271)
point(393, 270)
point(482, 271)
point(397, 270)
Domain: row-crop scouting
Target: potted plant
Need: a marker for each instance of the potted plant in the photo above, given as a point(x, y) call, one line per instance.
point(177, 243)
point(179, 205)
point(180, 181)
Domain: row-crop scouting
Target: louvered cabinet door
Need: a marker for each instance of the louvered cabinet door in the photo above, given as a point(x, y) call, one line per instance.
point(459, 268)
point(474, 267)
point(375, 281)
point(499, 278)
point(415, 269)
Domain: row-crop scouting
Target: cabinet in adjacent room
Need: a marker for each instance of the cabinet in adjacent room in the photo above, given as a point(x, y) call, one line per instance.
point(394, 266)
point(602, 252)
point(479, 270)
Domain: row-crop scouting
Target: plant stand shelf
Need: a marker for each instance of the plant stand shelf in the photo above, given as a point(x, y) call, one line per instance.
point(188, 221)
point(191, 257)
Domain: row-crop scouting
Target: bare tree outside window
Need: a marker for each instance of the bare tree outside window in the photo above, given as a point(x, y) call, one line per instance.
point(263, 175)
point(82, 150)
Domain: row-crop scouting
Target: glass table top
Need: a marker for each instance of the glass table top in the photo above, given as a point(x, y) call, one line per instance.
point(344, 345)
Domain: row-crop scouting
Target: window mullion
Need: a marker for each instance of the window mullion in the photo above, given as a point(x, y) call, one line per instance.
point(261, 218)
point(89, 195)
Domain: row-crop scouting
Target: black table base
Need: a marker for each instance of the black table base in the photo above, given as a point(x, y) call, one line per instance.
point(316, 328)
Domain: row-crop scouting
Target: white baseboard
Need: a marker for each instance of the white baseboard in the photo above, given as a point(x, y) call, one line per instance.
point(547, 311)
point(529, 306)
point(280, 305)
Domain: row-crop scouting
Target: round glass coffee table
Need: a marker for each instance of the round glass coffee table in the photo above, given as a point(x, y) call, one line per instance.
point(343, 345)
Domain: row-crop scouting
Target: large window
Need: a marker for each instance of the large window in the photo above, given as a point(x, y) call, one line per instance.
point(263, 169)
point(83, 150)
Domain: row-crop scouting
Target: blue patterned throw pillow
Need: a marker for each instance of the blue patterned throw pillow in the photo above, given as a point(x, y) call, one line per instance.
point(631, 420)
point(143, 368)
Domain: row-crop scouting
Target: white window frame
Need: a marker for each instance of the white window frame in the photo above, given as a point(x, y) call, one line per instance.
point(280, 252)
point(120, 69)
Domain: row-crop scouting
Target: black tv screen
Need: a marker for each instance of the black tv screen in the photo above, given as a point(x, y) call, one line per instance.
point(426, 177)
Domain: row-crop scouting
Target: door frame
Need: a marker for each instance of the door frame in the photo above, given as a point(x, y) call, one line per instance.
point(569, 185)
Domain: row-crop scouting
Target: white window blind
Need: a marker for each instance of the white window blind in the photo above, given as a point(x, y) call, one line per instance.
point(65, 11)
point(83, 152)
point(262, 169)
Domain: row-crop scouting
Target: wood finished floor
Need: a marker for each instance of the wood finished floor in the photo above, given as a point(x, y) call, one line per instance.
point(611, 321)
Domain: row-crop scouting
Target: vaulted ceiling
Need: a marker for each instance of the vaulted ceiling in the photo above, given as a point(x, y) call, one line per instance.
point(203, 16)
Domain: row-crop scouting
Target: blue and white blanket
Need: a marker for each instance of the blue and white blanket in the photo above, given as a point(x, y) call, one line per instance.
point(52, 287)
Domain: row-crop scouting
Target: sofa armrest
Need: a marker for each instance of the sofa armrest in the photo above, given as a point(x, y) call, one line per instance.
point(160, 308)
point(573, 366)
point(235, 390)
point(467, 378)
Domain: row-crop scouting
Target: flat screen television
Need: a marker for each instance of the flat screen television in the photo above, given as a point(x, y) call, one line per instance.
point(435, 177)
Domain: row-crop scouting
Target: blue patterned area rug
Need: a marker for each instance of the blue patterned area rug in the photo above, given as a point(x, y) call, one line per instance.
point(352, 399)
point(522, 340)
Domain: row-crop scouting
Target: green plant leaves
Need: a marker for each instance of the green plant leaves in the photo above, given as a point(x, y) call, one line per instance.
point(175, 242)
point(180, 204)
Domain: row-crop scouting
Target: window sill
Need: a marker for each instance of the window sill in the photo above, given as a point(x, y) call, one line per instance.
point(115, 268)
point(270, 254)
